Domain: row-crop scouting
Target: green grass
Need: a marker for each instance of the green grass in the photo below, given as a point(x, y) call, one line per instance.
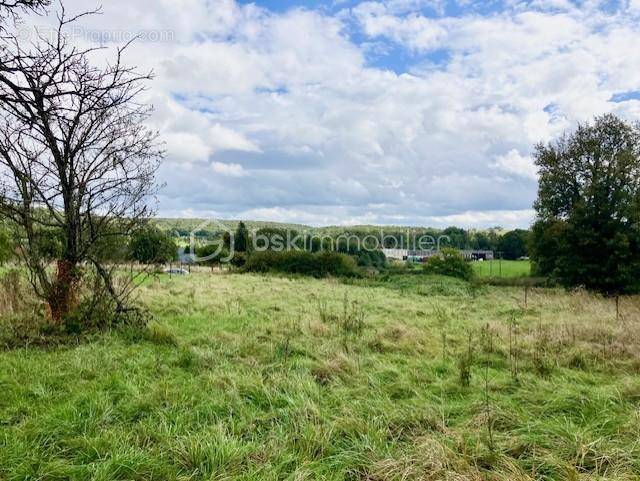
point(502, 268)
point(267, 378)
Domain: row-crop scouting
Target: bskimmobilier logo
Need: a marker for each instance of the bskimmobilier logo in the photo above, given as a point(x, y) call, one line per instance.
point(226, 239)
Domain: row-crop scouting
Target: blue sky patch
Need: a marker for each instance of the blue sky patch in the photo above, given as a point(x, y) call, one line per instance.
point(624, 96)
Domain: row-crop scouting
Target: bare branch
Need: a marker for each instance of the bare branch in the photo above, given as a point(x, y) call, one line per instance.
point(75, 153)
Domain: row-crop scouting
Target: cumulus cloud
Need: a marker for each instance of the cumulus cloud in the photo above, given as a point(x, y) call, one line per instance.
point(294, 116)
point(514, 163)
point(229, 170)
point(416, 31)
point(506, 219)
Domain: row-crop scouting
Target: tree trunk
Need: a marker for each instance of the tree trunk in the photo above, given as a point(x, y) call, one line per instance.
point(62, 299)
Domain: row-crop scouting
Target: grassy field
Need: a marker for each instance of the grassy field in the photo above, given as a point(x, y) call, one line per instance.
point(268, 378)
point(502, 268)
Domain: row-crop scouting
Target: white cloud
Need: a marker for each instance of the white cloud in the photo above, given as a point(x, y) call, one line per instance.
point(191, 136)
point(514, 163)
point(186, 147)
point(286, 115)
point(223, 138)
point(229, 170)
point(416, 31)
point(470, 219)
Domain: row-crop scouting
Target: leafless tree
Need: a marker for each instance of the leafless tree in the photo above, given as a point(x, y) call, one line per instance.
point(76, 159)
point(13, 8)
point(24, 4)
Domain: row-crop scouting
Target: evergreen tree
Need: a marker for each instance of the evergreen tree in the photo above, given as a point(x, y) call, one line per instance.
point(241, 239)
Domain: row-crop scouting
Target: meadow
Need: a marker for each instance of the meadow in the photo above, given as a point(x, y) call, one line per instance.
point(502, 269)
point(255, 377)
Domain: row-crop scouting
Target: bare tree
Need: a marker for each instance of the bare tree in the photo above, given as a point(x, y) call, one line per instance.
point(24, 4)
point(13, 8)
point(76, 159)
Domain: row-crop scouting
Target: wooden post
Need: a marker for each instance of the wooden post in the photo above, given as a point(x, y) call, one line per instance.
point(526, 296)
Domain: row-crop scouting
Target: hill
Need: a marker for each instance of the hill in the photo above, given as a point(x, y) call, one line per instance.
point(186, 226)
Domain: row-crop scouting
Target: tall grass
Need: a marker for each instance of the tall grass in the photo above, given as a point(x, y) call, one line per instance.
point(247, 377)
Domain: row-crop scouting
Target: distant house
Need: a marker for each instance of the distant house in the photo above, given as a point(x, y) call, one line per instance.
point(422, 256)
point(478, 255)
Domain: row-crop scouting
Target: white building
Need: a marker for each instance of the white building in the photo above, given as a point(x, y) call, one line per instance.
point(423, 255)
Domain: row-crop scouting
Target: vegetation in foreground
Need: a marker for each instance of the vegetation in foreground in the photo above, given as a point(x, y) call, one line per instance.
point(261, 377)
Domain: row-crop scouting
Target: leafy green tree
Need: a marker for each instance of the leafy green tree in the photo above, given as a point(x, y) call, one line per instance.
point(363, 256)
point(513, 244)
point(546, 242)
point(152, 246)
point(273, 238)
point(449, 263)
point(482, 241)
point(213, 253)
point(588, 227)
point(458, 238)
point(112, 246)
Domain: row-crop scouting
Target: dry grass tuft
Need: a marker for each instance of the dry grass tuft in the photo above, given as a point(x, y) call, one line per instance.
point(338, 367)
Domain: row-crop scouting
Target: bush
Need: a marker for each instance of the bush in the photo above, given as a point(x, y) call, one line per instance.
point(450, 263)
point(7, 248)
point(25, 319)
point(239, 259)
point(365, 257)
point(319, 264)
point(332, 263)
point(213, 253)
point(152, 246)
point(375, 259)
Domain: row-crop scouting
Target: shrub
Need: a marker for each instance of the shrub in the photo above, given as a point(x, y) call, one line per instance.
point(26, 320)
point(371, 258)
point(152, 246)
point(365, 257)
point(319, 264)
point(239, 259)
point(332, 263)
point(7, 246)
point(213, 253)
point(450, 263)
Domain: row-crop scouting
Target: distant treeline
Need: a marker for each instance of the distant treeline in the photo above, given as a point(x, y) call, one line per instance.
point(510, 244)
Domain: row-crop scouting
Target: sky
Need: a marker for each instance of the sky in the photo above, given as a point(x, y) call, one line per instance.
point(342, 112)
